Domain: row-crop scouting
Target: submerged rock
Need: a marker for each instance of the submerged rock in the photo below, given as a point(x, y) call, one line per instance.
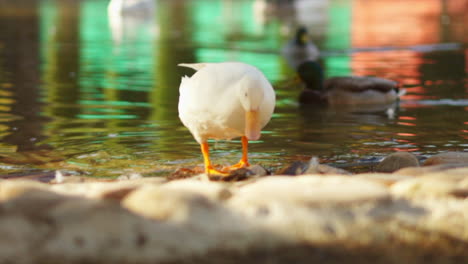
point(396, 161)
point(258, 170)
point(442, 168)
point(311, 167)
point(447, 158)
point(295, 168)
point(234, 175)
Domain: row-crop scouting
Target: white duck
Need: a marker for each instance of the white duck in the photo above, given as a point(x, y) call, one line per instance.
point(223, 101)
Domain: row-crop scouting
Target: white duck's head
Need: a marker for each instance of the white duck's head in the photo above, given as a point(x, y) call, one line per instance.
point(251, 93)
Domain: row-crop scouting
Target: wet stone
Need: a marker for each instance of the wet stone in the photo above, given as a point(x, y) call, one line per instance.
point(396, 161)
point(258, 170)
point(311, 167)
point(295, 168)
point(235, 175)
point(424, 170)
point(325, 169)
point(447, 158)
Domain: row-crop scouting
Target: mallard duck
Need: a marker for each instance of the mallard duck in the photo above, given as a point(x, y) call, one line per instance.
point(300, 49)
point(344, 91)
point(223, 101)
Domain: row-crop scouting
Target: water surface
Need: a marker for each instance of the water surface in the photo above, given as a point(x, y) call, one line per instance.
point(93, 94)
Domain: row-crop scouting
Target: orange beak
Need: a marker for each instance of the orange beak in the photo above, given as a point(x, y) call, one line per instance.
point(252, 125)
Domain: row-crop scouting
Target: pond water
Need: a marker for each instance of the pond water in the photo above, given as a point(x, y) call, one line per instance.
point(96, 94)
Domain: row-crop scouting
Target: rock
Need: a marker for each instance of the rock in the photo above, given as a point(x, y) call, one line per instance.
point(446, 183)
point(169, 204)
point(396, 161)
point(258, 170)
point(62, 229)
point(447, 158)
point(209, 190)
point(311, 167)
point(383, 178)
point(12, 188)
point(295, 168)
point(316, 168)
point(234, 175)
point(110, 189)
point(308, 218)
point(310, 190)
point(419, 171)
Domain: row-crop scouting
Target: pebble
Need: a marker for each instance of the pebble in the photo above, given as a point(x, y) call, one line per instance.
point(311, 167)
point(396, 161)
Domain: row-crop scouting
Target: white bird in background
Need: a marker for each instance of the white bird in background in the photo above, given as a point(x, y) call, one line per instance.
point(128, 17)
point(223, 101)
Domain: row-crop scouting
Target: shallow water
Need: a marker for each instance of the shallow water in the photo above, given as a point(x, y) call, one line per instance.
point(94, 94)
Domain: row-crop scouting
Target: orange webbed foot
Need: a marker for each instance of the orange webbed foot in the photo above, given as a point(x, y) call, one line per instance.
point(212, 171)
point(239, 165)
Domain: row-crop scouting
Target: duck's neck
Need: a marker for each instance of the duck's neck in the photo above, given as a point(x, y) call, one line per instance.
point(311, 74)
point(314, 81)
point(315, 84)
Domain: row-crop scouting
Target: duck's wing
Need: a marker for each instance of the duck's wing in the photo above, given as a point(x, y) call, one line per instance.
point(360, 84)
point(195, 66)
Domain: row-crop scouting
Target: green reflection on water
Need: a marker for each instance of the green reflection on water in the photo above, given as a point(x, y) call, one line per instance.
point(108, 99)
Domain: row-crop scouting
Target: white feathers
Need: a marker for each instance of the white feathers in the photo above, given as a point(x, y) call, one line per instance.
point(214, 102)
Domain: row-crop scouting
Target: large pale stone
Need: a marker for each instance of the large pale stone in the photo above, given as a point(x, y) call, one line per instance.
point(12, 188)
point(303, 219)
point(45, 227)
point(312, 189)
point(448, 183)
point(212, 190)
point(425, 170)
point(103, 189)
point(383, 178)
point(178, 206)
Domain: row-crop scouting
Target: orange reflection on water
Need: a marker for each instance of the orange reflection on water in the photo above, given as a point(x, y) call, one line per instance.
point(406, 149)
point(402, 140)
point(415, 93)
point(399, 65)
point(406, 118)
point(406, 124)
point(412, 22)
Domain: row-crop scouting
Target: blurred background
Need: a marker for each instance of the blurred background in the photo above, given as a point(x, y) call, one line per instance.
point(91, 87)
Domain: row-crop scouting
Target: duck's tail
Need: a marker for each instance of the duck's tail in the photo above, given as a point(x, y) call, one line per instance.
point(401, 92)
point(195, 66)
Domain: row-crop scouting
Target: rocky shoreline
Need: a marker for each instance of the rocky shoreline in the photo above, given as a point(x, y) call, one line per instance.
point(402, 213)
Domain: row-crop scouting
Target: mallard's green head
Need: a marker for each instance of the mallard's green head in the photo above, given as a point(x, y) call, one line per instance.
point(302, 37)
